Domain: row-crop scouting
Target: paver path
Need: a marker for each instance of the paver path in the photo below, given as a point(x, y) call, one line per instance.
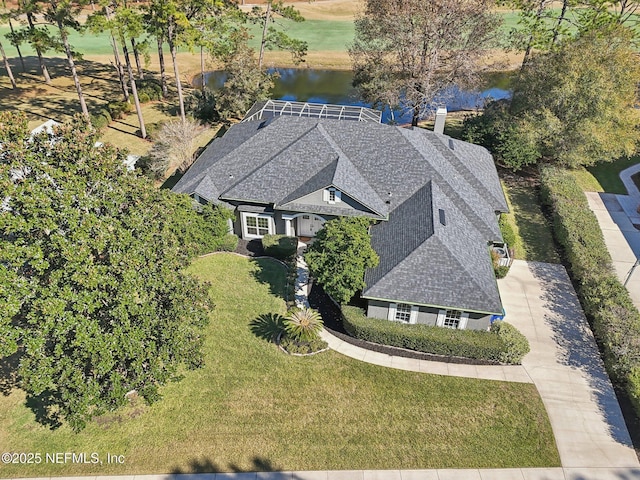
point(565, 366)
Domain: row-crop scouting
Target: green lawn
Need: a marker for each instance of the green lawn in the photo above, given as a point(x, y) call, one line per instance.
point(535, 238)
point(255, 408)
point(607, 174)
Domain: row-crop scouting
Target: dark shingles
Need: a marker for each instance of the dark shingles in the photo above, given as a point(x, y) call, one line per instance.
point(442, 265)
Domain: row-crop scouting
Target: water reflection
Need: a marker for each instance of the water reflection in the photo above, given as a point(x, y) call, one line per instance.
point(334, 86)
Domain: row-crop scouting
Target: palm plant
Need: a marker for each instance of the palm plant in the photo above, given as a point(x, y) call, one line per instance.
point(303, 324)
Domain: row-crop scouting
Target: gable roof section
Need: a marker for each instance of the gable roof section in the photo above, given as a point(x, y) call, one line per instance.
point(469, 200)
point(425, 262)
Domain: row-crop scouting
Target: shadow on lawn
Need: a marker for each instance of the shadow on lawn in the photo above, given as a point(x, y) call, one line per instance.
point(267, 326)
point(196, 467)
point(271, 272)
point(8, 373)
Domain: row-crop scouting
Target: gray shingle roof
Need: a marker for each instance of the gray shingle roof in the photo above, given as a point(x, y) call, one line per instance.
point(425, 262)
point(401, 174)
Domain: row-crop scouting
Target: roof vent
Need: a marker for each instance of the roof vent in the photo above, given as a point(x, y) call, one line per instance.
point(443, 220)
point(389, 199)
point(451, 144)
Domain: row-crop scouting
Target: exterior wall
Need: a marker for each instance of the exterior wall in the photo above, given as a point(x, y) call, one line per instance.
point(427, 315)
point(346, 202)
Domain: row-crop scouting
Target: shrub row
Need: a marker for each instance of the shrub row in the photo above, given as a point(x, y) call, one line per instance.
point(279, 246)
point(614, 319)
point(508, 346)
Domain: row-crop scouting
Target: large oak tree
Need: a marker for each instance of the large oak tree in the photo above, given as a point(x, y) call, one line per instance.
point(406, 52)
point(94, 299)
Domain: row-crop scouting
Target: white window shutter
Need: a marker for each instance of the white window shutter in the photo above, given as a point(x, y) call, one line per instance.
point(414, 314)
point(325, 195)
point(338, 196)
point(441, 316)
point(391, 314)
point(464, 316)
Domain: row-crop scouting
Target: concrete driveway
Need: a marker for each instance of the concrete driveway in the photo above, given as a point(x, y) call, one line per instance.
point(566, 368)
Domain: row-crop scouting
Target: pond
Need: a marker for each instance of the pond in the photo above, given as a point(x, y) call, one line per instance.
point(334, 86)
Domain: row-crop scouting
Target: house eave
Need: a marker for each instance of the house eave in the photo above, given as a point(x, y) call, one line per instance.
point(445, 307)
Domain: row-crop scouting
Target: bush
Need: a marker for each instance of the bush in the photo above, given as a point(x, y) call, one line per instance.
point(302, 348)
point(101, 119)
point(508, 235)
point(119, 109)
point(516, 344)
point(228, 243)
point(149, 90)
point(474, 344)
point(279, 246)
point(614, 319)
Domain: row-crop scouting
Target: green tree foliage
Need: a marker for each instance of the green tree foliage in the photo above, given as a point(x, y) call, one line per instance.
point(406, 52)
point(340, 255)
point(245, 83)
point(573, 105)
point(91, 257)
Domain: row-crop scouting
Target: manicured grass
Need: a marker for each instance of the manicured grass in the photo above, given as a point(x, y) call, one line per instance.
point(608, 174)
point(533, 229)
point(254, 408)
point(586, 180)
point(519, 250)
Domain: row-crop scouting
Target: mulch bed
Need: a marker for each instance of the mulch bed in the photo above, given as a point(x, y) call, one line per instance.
point(332, 318)
point(250, 248)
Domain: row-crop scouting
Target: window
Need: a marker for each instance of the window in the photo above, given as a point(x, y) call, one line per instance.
point(332, 195)
point(452, 319)
point(403, 313)
point(256, 225)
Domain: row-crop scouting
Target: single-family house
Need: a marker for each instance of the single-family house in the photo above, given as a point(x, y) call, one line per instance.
point(434, 202)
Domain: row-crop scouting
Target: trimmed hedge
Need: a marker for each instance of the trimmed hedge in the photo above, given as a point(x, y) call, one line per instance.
point(437, 340)
point(614, 319)
point(279, 246)
point(517, 345)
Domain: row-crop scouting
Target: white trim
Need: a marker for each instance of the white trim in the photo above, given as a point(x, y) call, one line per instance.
point(391, 314)
point(441, 316)
point(325, 195)
point(414, 314)
point(243, 220)
point(464, 316)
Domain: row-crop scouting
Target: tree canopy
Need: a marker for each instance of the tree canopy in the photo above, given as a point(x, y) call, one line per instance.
point(573, 105)
point(406, 52)
point(340, 255)
point(95, 301)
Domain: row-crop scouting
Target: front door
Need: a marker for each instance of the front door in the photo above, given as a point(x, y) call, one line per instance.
point(308, 225)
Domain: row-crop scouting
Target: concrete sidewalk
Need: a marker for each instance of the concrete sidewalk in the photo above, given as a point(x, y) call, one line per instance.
point(620, 236)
